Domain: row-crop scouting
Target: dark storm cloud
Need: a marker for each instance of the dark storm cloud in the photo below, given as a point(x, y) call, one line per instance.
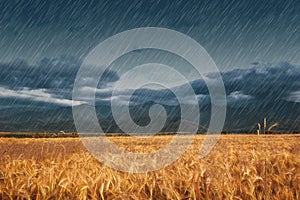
point(50, 80)
point(272, 81)
point(47, 74)
point(262, 84)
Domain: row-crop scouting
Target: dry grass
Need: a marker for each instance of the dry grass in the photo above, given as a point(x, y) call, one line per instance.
point(239, 167)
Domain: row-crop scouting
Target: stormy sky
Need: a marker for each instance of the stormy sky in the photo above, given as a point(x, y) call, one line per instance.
point(255, 44)
point(235, 33)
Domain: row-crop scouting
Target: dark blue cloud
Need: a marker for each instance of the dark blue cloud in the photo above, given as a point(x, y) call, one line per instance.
point(50, 80)
point(48, 74)
point(265, 81)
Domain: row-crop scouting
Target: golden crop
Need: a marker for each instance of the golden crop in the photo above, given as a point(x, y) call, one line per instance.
point(239, 167)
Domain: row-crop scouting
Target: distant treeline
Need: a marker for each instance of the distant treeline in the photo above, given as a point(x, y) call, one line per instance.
point(74, 134)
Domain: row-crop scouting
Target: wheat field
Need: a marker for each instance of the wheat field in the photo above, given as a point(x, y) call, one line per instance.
point(239, 167)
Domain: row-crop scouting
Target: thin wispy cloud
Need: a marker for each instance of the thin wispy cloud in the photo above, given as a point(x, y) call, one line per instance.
point(39, 95)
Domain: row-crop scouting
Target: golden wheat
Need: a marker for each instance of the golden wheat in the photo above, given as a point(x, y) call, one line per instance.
point(239, 167)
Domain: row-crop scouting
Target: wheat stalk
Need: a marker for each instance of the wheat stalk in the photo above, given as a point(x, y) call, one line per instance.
point(259, 128)
point(272, 126)
point(265, 124)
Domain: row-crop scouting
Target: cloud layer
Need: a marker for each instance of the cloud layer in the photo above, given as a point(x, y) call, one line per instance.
point(51, 80)
point(270, 90)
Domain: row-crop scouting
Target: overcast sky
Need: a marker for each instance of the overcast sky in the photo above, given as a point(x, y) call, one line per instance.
point(235, 33)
